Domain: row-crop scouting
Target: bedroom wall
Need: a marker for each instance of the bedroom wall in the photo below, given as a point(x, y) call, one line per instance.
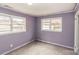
point(64, 38)
point(16, 39)
point(76, 44)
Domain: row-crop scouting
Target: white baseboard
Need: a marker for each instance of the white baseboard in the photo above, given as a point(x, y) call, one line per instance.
point(56, 44)
point(16, 48)
point(32, 41)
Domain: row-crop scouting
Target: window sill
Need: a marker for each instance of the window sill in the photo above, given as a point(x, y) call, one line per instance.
point(13, 32)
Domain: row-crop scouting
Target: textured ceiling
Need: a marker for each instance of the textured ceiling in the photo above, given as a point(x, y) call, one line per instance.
point(40, 9)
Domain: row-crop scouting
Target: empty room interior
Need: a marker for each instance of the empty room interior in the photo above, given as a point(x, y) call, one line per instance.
point(39, 28)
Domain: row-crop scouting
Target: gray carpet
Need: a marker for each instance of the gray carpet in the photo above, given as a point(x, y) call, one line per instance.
point(41, 48)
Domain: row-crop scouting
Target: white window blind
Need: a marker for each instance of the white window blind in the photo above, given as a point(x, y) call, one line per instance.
point(10, 23)
point(45, 24)
point(18, 24)
point(4, 23)
point(52, 24)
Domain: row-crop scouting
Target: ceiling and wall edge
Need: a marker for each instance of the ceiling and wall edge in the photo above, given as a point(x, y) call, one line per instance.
point(10, 8)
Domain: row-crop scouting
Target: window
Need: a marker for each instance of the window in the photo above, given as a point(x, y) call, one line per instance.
point(4, 23)
point(18, 24)
point(52, 24)
point(9, 23)
point(45, 24)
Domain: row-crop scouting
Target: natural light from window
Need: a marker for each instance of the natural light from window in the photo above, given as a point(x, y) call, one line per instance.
point(12, 24)
point(52, 24)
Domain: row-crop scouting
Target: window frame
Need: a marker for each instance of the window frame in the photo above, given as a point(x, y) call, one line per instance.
point(11, 30)
point(24, 22)
point(43, 22)
point(5, 15)
point(50, 19)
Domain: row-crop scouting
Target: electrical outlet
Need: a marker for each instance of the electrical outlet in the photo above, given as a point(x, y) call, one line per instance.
point(11, 45)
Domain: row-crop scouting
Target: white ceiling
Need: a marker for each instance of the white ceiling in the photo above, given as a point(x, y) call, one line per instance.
point(40, 9)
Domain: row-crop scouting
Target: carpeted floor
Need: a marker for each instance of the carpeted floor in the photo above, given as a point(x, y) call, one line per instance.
point(41, 48)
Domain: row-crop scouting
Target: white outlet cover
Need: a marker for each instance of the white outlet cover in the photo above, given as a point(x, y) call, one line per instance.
point(11, 45)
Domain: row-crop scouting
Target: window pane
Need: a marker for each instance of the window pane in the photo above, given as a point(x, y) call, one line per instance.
point(45, 28)
point(45, 20)
point(4, 28)
point(56, 24)
point(19, 24)
point(45, 24)
point(4, 23)
point(18, 28)
point(18, 21)
point(12, 23)
point(4, 20)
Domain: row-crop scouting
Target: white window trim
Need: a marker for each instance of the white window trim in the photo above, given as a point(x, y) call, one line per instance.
point(50, 25)
point(10, 32)
point(24, 23)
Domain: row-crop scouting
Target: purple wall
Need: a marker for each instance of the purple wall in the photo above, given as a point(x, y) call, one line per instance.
point(16, 39)
point(66, 37)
